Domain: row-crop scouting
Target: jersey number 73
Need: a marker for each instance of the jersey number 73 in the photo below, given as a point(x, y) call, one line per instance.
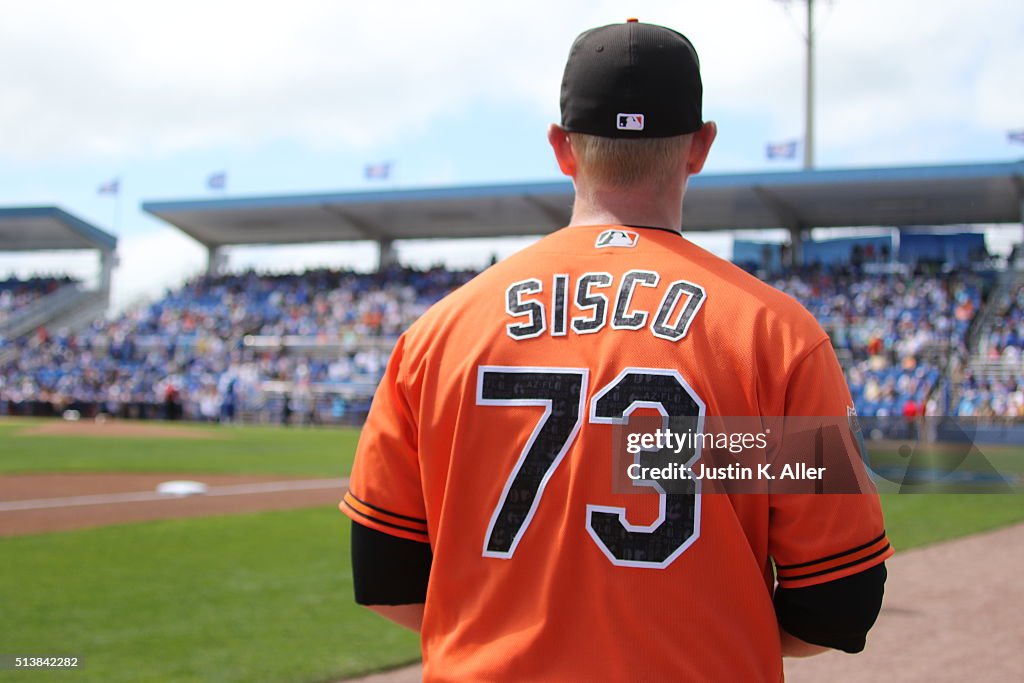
point(562, 393)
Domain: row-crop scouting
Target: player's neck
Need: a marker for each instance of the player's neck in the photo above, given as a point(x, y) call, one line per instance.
point(602, 207)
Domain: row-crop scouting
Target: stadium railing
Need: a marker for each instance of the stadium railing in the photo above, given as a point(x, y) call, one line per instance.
point(44, 310)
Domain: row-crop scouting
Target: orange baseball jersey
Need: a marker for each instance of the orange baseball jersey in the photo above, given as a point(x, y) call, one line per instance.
point(490, 437)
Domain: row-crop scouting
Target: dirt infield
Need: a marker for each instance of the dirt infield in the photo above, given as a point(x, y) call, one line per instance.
point(37, 503)
point(951, 614)
point(122, 429)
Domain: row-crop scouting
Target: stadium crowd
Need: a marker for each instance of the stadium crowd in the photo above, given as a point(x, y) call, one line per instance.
point(896, 329)
point(990, 397)
point(187, 355)
point(996, 389)
point(1004, 335)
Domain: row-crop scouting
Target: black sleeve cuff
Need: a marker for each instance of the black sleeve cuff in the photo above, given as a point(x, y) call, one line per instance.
point(388, 570)
point(836, 614)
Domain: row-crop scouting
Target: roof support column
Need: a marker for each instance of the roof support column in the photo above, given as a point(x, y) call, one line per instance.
point(388, 254)
point(1018, 261)
point(796, 246)
point(216, 259)
point(108, 261)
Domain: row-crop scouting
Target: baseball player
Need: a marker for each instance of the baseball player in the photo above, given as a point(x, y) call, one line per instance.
point(481, 497)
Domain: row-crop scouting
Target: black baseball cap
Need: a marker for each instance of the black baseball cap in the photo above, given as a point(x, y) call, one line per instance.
point(632, 80)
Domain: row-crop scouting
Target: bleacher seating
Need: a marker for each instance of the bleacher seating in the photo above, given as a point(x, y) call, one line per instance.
point(897, 329)
point(1003, 338)
point(991, 384)
point(189, 347)
point(312, 346)
point(17, 294)
point(990, 398)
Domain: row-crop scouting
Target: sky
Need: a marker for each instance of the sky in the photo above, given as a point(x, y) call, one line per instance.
point(300, 97)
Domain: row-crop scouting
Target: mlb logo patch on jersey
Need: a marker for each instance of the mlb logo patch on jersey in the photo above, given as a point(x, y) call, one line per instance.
point(630, 122)
point(617, 238)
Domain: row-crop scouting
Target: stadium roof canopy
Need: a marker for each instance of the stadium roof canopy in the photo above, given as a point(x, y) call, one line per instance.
point(936, 195)
point(35, 228)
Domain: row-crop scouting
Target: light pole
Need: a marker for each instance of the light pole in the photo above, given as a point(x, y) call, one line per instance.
point(809, 91)
point(797, 232)
point(808, 142)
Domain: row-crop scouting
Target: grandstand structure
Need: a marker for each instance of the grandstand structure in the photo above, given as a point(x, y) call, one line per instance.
point(69, 305)
point(911, 324)
point(797, 201)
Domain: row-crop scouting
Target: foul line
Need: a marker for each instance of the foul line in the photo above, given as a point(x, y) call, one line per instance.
point(144, 496)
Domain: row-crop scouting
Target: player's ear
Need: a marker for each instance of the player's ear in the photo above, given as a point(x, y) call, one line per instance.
point(558, 138)
point(700, 145)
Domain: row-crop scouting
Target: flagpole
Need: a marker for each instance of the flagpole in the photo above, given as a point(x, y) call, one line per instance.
point(117, 208)
point(809, 94)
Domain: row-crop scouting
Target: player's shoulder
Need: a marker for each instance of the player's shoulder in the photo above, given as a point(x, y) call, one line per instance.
point(749, 296)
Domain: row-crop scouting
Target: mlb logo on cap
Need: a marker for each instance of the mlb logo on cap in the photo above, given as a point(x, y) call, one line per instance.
point(630, 122)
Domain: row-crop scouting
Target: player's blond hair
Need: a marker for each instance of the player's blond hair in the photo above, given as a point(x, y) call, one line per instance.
point(618, 163)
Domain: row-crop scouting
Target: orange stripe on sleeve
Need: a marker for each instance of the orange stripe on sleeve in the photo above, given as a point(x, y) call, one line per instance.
point(383, 520)
point(836, 566)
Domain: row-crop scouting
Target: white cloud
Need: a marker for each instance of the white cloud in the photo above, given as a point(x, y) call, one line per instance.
point(107, 79)
point(152, 262)
point(910, 74)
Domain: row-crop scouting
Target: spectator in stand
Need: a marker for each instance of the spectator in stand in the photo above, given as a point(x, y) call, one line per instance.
point(227, 404)
point(875, 347)
point(172, 401)
point(209, 404)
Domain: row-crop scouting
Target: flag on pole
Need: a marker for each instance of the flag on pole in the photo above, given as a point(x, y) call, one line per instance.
point(218, 180)
point(781, 150)
point(380, 171)
point(112, 186)
point(1015, 135)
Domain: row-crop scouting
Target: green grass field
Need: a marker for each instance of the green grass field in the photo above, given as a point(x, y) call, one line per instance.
point(263, 597)
point(259, 597)
point(229, 450)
